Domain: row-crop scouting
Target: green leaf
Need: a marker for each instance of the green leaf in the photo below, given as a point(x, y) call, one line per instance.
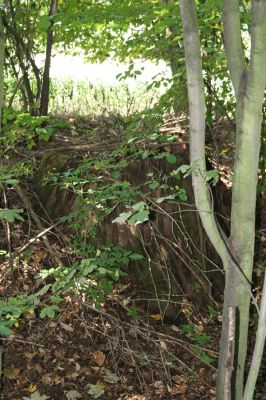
point(133, 312)
point(136, 256)
point(44, 23)
point(116, 174)
point(11, 181)
point(213, 176)
point(139, 217)
point(161, 199)
point(5, 331)
point(171, 158)
point(153, 136)
point(44, 134)
point(123, 217)
point(154, 185)
point(102, 271)
point(49, 311)
point(140, 206)
point(11, 215)
point(203, 356)
point(90, 268)
point(184, 169)
point(43, 290)
point(182, 194)
point(201, 338)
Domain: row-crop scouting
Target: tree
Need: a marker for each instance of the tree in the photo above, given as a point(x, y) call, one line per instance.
point(237, 250)
point(29, 30)
point(2, 63)
point(46, 73)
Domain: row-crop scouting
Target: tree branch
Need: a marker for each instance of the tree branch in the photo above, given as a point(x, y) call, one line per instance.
point(233, 42)
point(197, 124)
point(257, 71)
point(258, 350)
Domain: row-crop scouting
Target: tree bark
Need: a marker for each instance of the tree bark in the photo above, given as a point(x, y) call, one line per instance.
point(2, 65)
point(249, 84)
point(46, 74)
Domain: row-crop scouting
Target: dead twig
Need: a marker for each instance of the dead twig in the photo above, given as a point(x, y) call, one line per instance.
point(37, 221)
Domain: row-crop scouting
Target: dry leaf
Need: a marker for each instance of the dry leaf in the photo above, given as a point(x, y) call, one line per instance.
point(73, 395)
point(175, 328)
point(156, 317)
point(66, 327)
point(181, 389)
point(39, 368)
point(11, 372)
point(111, 377)
point(47, 379)
point(163, 344)
point(99, 357)
point(37, 396)
point(199, 328)
point(30, 355)
point(57, 379)
point(22, 380)
point(159, 388)
point(32, 388)
point(78, 367)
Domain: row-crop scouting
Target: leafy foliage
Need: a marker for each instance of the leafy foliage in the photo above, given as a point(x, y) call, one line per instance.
point(23, 128)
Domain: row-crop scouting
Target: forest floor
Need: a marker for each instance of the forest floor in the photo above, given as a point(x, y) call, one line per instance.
point(87, 353)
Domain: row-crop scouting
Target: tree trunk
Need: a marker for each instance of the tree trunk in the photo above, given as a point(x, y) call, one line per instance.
point(23, 53)
point(46, 74)
point(2, 65)
point(20, 84)
point(249, 84)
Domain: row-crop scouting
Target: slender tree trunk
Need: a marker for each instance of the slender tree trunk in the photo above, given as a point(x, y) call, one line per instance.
point(249, 84)
point(18, 79)
point(46, 74)
point(24, 57)
point(19, 56)
point(2, 65)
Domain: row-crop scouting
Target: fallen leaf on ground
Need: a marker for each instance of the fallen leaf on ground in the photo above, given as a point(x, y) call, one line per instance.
point(37, 396)
point(66, 327)
point(11, 372)
point(96, 390)
point(111, 377)
point(182, 389)
point(99, 357)
point(32, 388)
point(156, 317)
point(73, 395)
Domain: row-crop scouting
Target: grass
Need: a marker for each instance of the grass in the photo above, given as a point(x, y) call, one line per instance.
point(79, 98)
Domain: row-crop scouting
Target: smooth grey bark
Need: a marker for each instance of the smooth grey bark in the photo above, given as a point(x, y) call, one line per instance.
point(258, 350)
point(249, 84)
point(197, 125)
point(2, 65)
point(233, 41)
